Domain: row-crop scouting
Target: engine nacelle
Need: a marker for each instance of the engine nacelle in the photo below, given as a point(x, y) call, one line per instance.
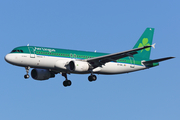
point(72, 66)
point(78, 66)
point(41, 74)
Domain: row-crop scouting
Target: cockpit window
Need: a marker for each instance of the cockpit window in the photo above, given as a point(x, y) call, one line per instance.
point(20, 51)
point(13, 51)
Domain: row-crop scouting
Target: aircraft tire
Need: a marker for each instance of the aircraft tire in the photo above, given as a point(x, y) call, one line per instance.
point(26, 76)
point(67, 83)
point(92, 78)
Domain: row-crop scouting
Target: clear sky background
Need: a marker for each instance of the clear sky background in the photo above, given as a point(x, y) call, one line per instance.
point(106, 26)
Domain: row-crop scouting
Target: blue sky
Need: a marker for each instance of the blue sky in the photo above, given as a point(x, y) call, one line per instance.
point(102, 25)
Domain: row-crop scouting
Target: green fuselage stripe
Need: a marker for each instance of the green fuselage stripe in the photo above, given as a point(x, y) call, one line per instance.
point(44, 51)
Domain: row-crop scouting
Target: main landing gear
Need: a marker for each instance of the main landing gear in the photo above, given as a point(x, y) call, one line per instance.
point(27, 71)
point(66, 82)
point(92, 78)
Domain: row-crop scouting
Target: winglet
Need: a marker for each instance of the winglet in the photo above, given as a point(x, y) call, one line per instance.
point(153, 45)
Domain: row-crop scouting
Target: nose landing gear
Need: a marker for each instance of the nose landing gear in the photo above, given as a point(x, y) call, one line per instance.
point(27, 71)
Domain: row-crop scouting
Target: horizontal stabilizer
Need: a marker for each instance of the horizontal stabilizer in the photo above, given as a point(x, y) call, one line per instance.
point(157, 60)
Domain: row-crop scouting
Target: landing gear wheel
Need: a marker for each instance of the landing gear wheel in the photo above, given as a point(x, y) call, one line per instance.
point(26, 76)
point(92, 78)
point(67, 83)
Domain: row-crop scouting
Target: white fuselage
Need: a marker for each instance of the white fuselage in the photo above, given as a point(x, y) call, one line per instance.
point(48, 62)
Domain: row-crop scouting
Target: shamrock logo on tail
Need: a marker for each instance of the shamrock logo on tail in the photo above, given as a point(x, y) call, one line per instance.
point(144, 43)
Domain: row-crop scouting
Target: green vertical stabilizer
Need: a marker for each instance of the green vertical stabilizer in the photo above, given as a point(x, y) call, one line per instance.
point(145, 39)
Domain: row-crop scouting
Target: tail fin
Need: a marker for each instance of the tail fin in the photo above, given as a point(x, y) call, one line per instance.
point(145, 39)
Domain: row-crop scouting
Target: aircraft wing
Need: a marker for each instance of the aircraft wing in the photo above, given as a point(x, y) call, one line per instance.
point(101, 60)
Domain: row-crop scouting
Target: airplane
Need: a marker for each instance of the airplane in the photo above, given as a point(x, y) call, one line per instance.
point(47, 62)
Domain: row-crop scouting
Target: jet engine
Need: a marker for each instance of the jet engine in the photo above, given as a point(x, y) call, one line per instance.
point(78, 66)
point(41, 74)
point(72, 66)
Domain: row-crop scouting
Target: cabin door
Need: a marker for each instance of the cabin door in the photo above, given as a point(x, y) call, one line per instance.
point(132, 61)
point(32, 52)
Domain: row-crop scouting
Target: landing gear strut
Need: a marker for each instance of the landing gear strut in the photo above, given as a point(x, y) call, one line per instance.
point(66, 82)
point(27, 71)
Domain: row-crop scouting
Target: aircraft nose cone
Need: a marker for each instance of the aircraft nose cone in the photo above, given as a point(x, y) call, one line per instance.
point(6, 58)
point(9, 58)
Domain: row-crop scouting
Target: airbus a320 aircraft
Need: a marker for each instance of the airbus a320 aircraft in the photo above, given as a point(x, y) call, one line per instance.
point(47, 62)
